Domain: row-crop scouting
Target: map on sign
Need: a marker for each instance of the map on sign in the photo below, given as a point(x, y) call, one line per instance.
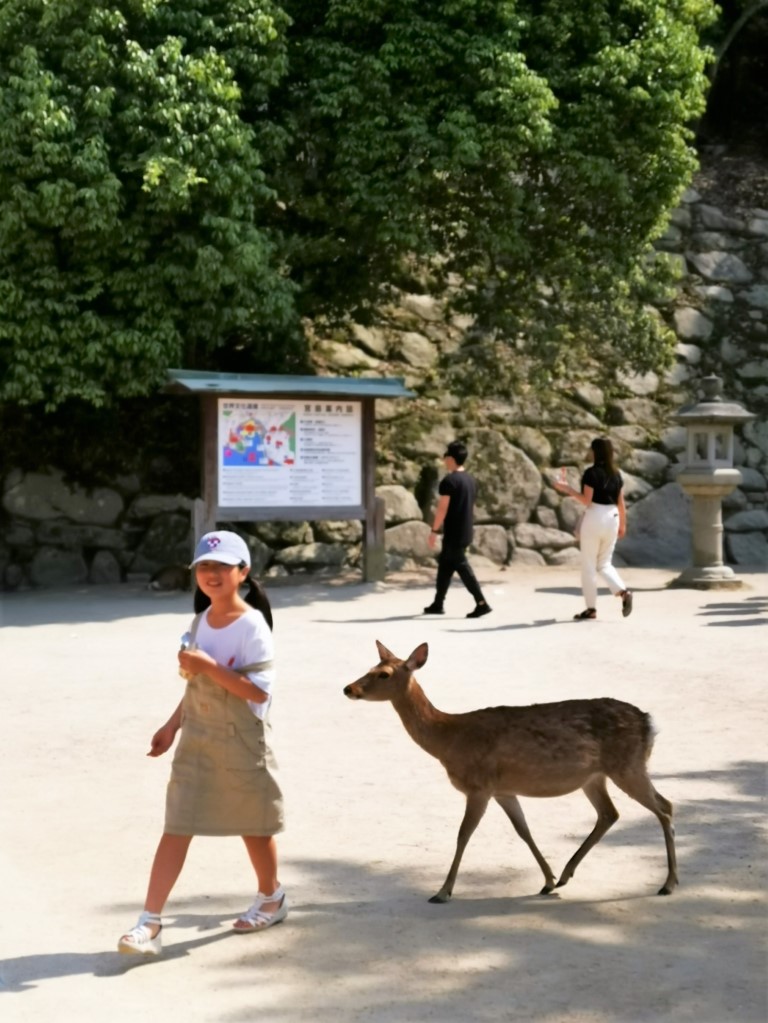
point(253, 441)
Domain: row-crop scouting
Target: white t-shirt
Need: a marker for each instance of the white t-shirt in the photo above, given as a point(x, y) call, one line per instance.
point(247, 640)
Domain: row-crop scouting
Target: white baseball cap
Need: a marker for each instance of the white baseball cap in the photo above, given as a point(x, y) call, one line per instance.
point(224, 546)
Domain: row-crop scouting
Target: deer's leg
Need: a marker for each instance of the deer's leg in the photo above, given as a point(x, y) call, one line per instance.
point(473, 814)
point(639, 786)
point(607, 815)
point(511, 807)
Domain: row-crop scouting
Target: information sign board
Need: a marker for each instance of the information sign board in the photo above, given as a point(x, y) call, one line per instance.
point(287, 453)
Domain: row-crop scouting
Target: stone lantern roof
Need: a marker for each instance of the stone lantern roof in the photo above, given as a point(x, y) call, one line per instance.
point(712, 410)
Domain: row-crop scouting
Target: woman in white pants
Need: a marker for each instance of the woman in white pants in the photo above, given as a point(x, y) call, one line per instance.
point(604, 522)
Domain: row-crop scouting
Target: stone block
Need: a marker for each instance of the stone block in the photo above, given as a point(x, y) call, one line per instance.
point(311, 555)
point(528, 534)
point(747, 521)
point(399, 504)
point(409, 539)
point(692, 325)
point(721, 266)
point(658, 529)
point(747, 549)
point(53, 567)
point(46, 495)
point(105, 568)
point(491, 542)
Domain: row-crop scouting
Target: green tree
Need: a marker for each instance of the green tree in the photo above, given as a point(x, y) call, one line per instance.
point(182, 182)
point(531, 150)
point(132, 191)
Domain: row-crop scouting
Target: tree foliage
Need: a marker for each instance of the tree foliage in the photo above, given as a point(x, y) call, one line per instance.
point(131, 190)
point(180, 182)
point(530, 150)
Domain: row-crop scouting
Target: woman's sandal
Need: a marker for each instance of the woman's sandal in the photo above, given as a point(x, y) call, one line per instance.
point(626, 603)
point(140, 940)
point(586, 614)
point(257, 919)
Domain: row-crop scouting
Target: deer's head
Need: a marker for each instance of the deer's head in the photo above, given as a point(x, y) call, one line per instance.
point(389, 677)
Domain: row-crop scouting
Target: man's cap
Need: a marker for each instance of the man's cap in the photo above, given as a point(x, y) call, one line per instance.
point(224, 546)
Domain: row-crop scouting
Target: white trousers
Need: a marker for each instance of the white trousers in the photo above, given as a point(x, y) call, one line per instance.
point(599, 532)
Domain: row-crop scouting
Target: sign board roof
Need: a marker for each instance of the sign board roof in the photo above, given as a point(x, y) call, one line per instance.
point(191, 381)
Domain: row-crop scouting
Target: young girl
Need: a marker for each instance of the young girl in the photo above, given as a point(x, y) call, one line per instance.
point(222, 778)
point(603, 522)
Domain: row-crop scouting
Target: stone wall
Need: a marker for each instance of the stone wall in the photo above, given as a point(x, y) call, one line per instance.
point(57, 533)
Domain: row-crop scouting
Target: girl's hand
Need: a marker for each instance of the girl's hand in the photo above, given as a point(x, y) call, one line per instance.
point(162, 740)
point(195, 662)
point(561, 483)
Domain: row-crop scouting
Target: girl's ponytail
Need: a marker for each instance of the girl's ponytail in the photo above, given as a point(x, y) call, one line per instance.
point(257, 597)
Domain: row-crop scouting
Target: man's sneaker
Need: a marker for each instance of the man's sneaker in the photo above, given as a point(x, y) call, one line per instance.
point(480, 610)
point(434, 609)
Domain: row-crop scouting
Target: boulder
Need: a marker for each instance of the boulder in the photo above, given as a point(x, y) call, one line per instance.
point(650, 465)
point(350, 531)
point(658, 529)
point(409, 539)
point(524, 556)
point(692, 325)
point(567, 556)
point(747, 549)
point(721, 266)
point(167, 541)
point(528, 534)
point(46, 495)
point(415, 349)
point(52, 567)
point(491, 542)
point(426, 307)
point(261, 554)
point(509, 484)
point(311, 555)
point(747, 521)
point(400, 504)
point(151, 505)
point(105, 568)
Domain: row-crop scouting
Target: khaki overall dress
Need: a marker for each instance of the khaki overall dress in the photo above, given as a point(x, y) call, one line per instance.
point(222, 778)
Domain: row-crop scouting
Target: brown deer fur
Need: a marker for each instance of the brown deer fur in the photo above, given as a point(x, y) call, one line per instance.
point(546, 749)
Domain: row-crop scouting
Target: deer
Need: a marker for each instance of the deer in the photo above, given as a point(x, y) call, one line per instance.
point(541, 750)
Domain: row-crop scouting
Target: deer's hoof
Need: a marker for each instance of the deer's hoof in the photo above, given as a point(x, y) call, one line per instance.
point(666, 890)
point(441, 897)
point(547, 889)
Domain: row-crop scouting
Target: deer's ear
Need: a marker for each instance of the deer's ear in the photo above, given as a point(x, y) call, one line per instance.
point(418, 658)
point(384, 654)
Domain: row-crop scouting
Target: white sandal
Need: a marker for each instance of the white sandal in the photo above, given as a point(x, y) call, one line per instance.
point(139, 940)
point(256, 919)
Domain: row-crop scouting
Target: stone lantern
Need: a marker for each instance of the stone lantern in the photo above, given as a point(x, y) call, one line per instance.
point(707, 476)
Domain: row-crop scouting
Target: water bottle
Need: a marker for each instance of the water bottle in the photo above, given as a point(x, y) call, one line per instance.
point(186, 644)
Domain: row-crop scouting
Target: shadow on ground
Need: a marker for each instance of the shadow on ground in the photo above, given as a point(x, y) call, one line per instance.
point(503, 954)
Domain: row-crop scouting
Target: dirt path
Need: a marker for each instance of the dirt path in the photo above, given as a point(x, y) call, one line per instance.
point(372, 819)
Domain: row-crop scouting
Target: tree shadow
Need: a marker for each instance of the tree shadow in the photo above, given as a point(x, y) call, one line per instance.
point(98, 604)
point(733, 613)
point(363, 942)
point(695, 955)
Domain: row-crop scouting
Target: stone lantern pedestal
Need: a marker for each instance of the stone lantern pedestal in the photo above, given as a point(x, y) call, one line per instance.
point(708, 476)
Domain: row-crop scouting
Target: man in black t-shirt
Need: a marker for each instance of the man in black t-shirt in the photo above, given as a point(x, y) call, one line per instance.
point(455, 514)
